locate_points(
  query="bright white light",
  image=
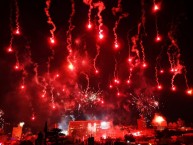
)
(105, 125)
(21, 124)
(64, 132)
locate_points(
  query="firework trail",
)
(88, 82)
(17, 18)
(2, 121)
(46, 9)
(36, 73)
(44, 85)
(95, 59)
(155, 10)
(89, 2)
(32, 110)
(116, 78)
(134, 49)
(156, 77)
(138, 37)
(174, 59)
(140, 26)
(48, 66)
(52, 96)
(116, 10)
(52, 38)
(143, 53)
(115, 34)
(130, 75)
(17, 64)
(158, 69)
(115, 28)
(27, 61)
(129, 60)
(143, 18)
(10, 48)
(137, 40)
(115, 72)
(69, 36)
(100, 5)
(24, 74)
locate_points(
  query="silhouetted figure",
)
(39, 139)
(26, 142)
(91, 141)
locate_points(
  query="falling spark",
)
(17, 31)
(69, 36)
(89, 2)
(143, 18)
(134, 49)
(174, 58)
(100, 5)
(10, 48)
(189, 91)
(95, 59)
(115, 28)
(46, 9)
(87, 86)
(155, 9)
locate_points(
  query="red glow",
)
(129, 60)
(22, 87)
(189, 92)
(77, 41)
(53, 106)
(83, 62)
(173, 88)
(158, 38)
(9, 50)
(17, 32)
(159, 87)
(116, 46)
(89, 26)
(43, 96)
(110, 86)
(16, 67)
(70, 50)
(71, 67)
(159, 119)
(161, 71)
(172, 70)
(116, 81)
(118, 94)
(144, 65)
(96, 71)
(33, 117)
(101, 36)
(128, 81)
(52, 40)
(156, 8)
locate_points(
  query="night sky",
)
(88, 77)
